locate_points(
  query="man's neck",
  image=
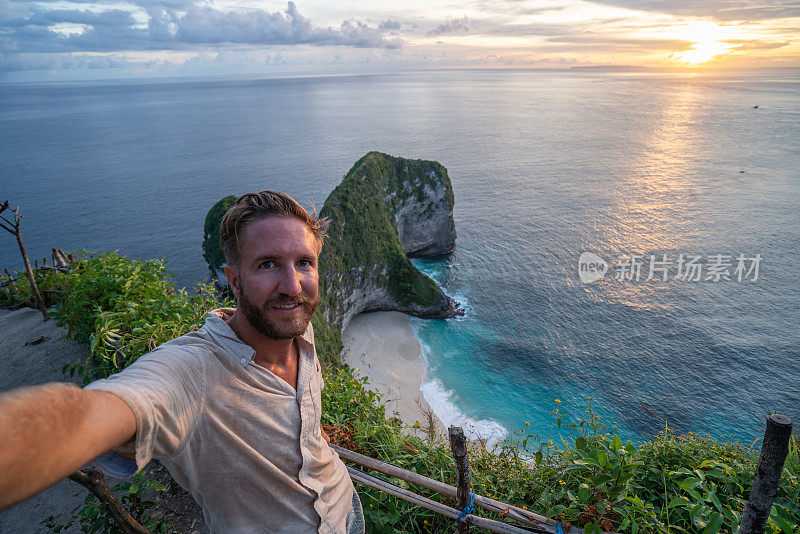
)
(269, 352)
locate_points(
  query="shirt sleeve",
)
(164, 390)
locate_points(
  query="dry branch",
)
(11, 281)
(95, 482)
(15, 228)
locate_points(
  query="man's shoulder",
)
(194, 347)
(195, 341)
(190, 350)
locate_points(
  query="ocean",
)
(650, 172)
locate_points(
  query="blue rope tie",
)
(469, 509)
(559, 529)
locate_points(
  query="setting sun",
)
(702, 52)
(711, 40)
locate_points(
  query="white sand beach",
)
(382, 346)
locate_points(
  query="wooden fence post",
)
(59, 259)
(11, 280)
(458, 444)
(768, 475)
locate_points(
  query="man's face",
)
(277, 284)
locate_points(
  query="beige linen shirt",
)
(245, 444)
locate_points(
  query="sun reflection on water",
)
(653, 207)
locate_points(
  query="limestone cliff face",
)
(384, 210)
(425, 224)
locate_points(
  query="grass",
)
(583, 474)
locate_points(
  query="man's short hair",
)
(252, 207)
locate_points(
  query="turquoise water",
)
(491, 397)
(545, 165)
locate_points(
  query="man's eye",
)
(267, 264)
(305, 263)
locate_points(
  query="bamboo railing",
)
(530, 521)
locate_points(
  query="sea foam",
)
(440, 400)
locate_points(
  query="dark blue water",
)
(545, 166)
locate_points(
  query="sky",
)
(85, 39)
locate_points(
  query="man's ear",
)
(233, 279)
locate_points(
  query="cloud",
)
(579, 43)
(461, 25)
(390, 24)
(719, 9)
(39, 17)
(23, 62)
(757, 45)
(195, 27)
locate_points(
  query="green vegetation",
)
(582, 473)
(212, 251)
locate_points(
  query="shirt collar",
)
(223, 334)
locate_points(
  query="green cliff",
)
(212, 251)
(385, 209)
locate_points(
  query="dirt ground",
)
(33, 352)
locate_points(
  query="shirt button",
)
(243, 360)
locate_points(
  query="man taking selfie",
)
(232, 410)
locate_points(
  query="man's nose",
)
(290, 282)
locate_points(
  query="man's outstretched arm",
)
(49, 431)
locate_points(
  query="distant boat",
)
(755, 107)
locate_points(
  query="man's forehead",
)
(278, 236)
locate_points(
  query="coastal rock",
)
(385, 210)
(212, 251)
(425, 222)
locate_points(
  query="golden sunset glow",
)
(246, 34)
(702, 52)
(711, 40)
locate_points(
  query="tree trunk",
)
(29, 271)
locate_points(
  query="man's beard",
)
(257, 317)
